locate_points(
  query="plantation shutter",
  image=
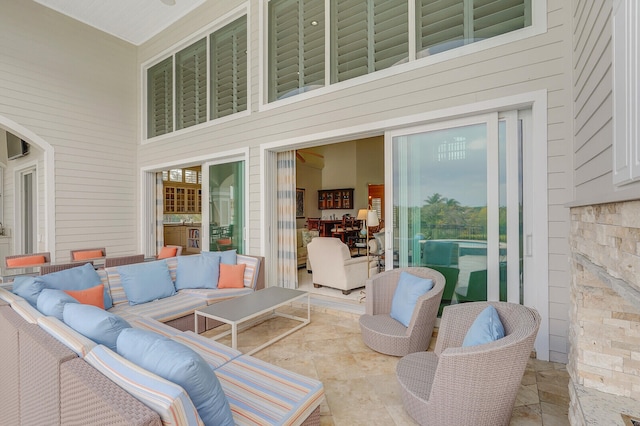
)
(495, 17)
(160, 98)
(442, 21)
(229, 69)
(367, 36)
(296, 47)
(439, 21)
(191, 85)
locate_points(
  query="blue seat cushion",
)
(197, 271)
(181, 365)
(51, 302)
(146, 282)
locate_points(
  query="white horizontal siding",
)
(593, 111)
(75, 88)
(538, 63)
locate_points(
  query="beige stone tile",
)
(526, 415)
(527, 395)
(376, 363)
(371, 417)
(386, 388)
(341, 366)
(399, 415)
(349, 396)
(554, 410)
(549, 420)
(529, 377)
(326, 421)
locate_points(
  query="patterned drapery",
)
(286, 203)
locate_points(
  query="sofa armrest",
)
(88, 397)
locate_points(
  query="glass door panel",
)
(226, 206)
(451, 189)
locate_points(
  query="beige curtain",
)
(286, 203)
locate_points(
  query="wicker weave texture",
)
(47, 269)
(40, 359)
(384, 334)
(10, 322)
(123, 260)
(88, 397)
(474, 385)
(313, 419)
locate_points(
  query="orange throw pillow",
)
(231, 276)
(25, 261)
(89, 254)
(90, 296)
(166, 252)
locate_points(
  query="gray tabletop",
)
(241, 307)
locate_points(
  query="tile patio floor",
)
(360, 384)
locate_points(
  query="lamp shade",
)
(362, 214)
(372, 218)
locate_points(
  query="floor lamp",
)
(370, 218)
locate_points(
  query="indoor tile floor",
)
(360, 384)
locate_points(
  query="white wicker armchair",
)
(386, 335)
(474, 385)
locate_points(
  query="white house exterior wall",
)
(593, 106)
(75, 88)
(538, 63)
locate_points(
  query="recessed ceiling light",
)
(169, 2)
(314, 23)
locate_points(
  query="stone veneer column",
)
(604, 333)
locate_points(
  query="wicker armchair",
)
(469, 385)
(386, 335)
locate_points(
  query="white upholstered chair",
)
(333, 266)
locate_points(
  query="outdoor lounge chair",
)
(473, 385)
(386, 335)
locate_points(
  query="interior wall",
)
(370, 167)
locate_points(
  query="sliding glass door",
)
(457, 205)
(226, 205)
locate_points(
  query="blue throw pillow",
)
(181, 365)
(51, 302)
(146, 282)
(486, 328)
(28, 288)
(98, 325)
(78, 278)
(197, 271)
(409, 289)
(228, 257)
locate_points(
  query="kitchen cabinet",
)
(182, 199)
(187, 236)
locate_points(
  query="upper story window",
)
(366, 36)
(180, 81)
(296, 47)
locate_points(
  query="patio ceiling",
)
(133, 21)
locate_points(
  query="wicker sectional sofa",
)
(51, 374)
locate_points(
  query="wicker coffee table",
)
(240, 311)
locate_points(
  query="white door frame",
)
(20, 224)
(147, 216)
